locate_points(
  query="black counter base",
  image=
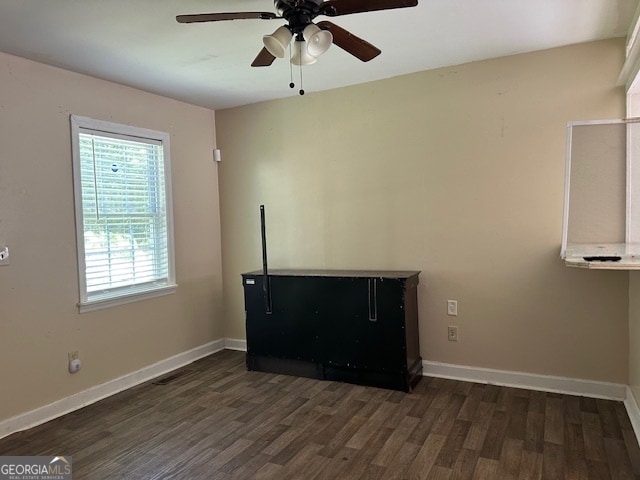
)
(347, 326)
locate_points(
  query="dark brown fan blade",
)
(264, 59)
(217, 17)
(334, 8)
(347, 41)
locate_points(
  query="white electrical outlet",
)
(4, 256)
(452, 308)
(452, 333)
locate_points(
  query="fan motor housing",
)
(298, 13)
(292, 4)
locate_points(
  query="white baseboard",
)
(633, 411)
(93, 394)
(547, 383)
(235, 344)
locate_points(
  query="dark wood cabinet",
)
(352, 326)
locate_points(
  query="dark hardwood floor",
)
(215, 420)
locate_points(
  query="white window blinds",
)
(125, 245)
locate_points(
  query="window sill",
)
(90, 306)
(629, 254)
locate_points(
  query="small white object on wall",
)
(74, 365)
(217, 156)
(4, 256)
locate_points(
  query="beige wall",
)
(458, 172)
(39, 321)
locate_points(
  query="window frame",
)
(80, 124)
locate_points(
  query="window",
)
(123, 213)
(601, 228)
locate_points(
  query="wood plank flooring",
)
(214, 420)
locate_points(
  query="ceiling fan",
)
(311, 40)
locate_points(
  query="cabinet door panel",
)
(362, 330)
(290, 331)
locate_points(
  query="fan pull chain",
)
(291, 84)
(301, 89)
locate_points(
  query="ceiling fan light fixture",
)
(318, 40)
(301, 55)
(277, 42)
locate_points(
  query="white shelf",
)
(629, 254)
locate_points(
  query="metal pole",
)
(266, 284)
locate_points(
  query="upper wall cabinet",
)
(601, 227)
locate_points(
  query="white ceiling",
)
(139, 42)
